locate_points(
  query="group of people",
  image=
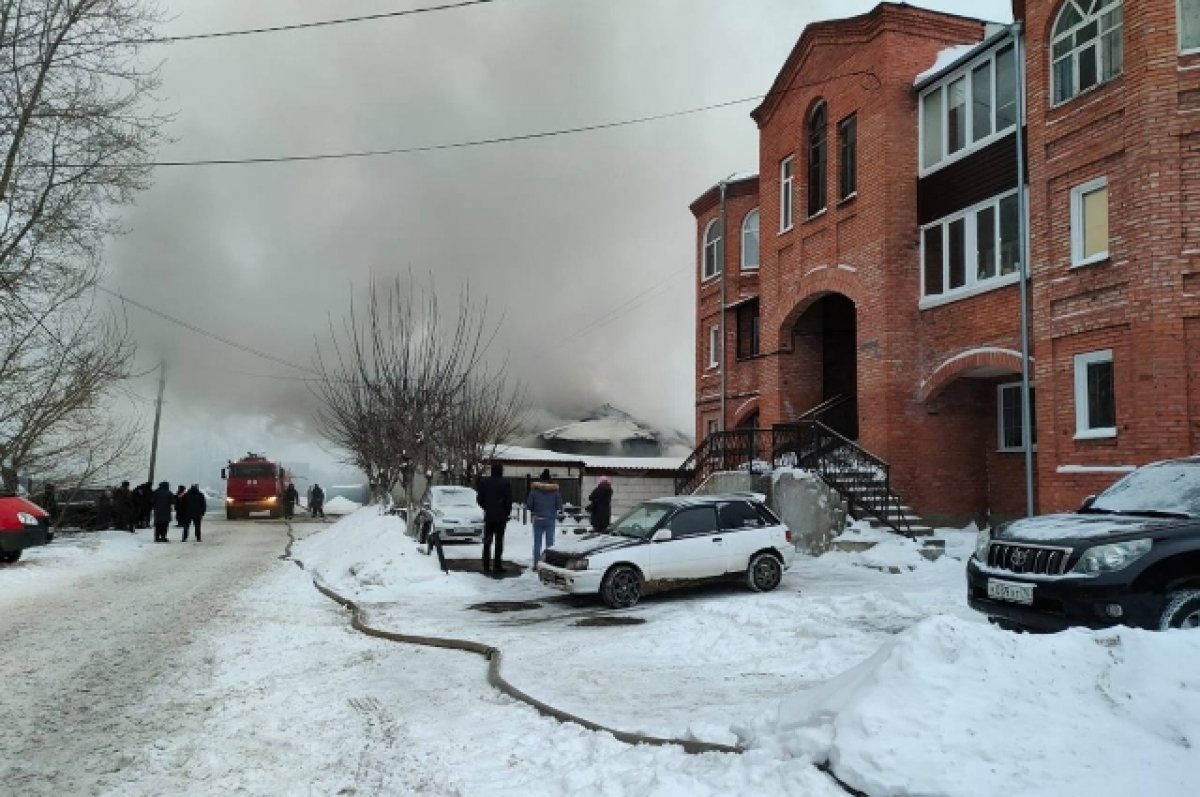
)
(316, 501)
(130, 508)
(544, 501)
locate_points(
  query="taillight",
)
(787, 533)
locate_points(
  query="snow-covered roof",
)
(945, 58)
(601, 430)
(588, 461)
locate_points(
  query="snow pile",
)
(341, 506)
(944, 59)
(953, 707)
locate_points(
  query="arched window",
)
(1085, 48)
(817, 157)
(750, 241)
(712, 249)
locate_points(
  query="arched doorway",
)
(821, 373)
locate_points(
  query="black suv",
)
(1129, 556)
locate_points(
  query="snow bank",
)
(945, 58)
(341, 506)
(959, 708)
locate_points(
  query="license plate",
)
(1010, 592)
(461, 533)
(551, 579)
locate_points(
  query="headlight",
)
(26, 519)
(576, 564)
(270, 499)
(982, 542)
(229, 500)
(1110, 558)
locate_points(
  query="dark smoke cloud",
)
(553, 233)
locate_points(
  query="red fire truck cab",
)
(253, 484)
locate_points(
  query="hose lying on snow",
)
(497, 681)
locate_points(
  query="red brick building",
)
(886, 226)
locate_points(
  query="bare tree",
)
(403, 387)
(75, 138)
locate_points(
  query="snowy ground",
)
(135, 669)
(871, 661)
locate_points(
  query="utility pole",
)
(162, 384)
(1017, 33)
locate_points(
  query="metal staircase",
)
(861, 478)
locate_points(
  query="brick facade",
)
(1141, 132)
(927, 373)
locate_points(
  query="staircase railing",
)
(859, 476)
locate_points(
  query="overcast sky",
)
(555, 233)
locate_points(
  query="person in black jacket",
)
(163, 501)
(290, 498)
(122, 505)
(600, 505)
(180, 507)
(194, 507)
(316, 502)
(494, 495)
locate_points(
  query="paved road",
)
(85, 669)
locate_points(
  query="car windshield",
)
(639, 521)
(461, 496)
(1171, 489)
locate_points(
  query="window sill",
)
(710, 278)
(817, 215)
(1056, 106)
(749, 271)
(1094, 260)
(930, 302)
(1017, 450)
(1097, 434)
(786, 229)
(848, 198)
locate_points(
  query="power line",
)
(620, 310)
(303, 25)
(206, 333)
(374, 153)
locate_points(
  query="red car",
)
(23, 524)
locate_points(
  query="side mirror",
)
(222, 473)
(662, 535)
(1087, 502)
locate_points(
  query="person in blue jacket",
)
(544, 502)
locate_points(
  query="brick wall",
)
(1141, 133)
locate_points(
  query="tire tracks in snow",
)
(494, 657)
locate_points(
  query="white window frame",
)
(758, 242)
(973, 285)
(965, 71)
(1082, 421)
(787, 194)
(1074, 54)
(1000, 389)
(1077, 231)
(714, 346)
(705, 274)
(1183, 49)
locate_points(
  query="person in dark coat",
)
(180, 508)
(194, 507)
(290, 498)
(544, 502)
(316, 501)
(600, 505)
(494, 496)
(163, 502)
(122, 503)
(104, 513)
(143, 505)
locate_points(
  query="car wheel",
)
(622, 587)
(1183, 611)
(8, 557)
(764, 572)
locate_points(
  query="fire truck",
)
(253, 484)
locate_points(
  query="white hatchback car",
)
(453, 512)
(672, 541)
